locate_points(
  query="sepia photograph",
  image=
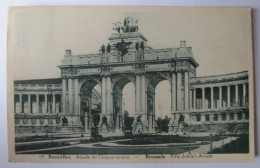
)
(130, 84)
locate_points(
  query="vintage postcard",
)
(130, 85)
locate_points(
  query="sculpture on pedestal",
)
(122, 47)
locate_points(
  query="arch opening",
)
(123, 104)
(90, 105)
(159, 103)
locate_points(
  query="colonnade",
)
(224, 96)
(37, 103)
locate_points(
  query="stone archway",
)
(154, 80)
(117, 87)
(90, 104)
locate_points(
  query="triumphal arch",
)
(72, 104)
(126, 58)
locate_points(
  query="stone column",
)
(190, 99)
(236, 95)
(103, 95)
(179, 96)
(53, 104)
(212, 97)
(63, 96)
(71, 98)
(37, 103)
(108, 89)
(228, 96)
(137, 94)
(244, 94)
(89, 115)
(194, 99)
(143, 95)
(46, 103)
(153, 113)
(21, 103)
(29, 103)
(121, 111)
(111, 100)
(203, 98)
(76, 97)
(173, 93)
(186, 90)
(220, 96)
(117, 124)
(79, 105)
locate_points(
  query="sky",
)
(38, 37)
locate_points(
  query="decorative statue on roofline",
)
(142, 45)
(130, 25)
(108, 48)
(122, 47)
(103, 49)
(137, 46)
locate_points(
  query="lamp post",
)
(50, 93)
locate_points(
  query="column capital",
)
(179, 71)
(105, 75)
(173, 71)
(140, 73)
(64, 77)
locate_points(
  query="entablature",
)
(172, 65)
(218, 84)
(220, 78)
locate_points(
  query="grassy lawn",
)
(134, 140)
(241, 145)
(167, 139)
(116, 150)
(38, 138)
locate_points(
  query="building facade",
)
(70, 103)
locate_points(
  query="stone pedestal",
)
(103, 128)
(139, 128)
(171, 128)
(118, 130)
(176, 129)
(151, 130)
